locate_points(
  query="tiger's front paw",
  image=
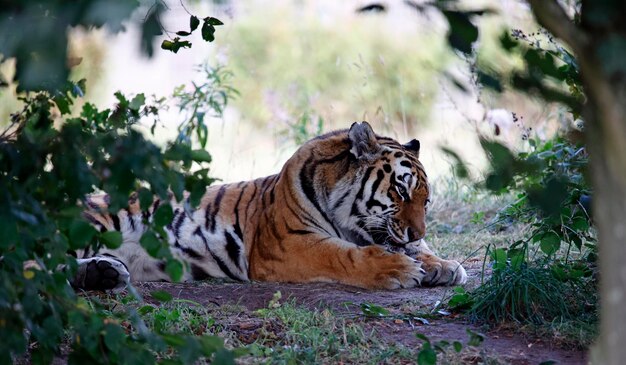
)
(402, 272)
(443, 272)
(101, 273)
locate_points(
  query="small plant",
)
(206, 100)
(304, 128)
(428, 353)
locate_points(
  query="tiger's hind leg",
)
(101, 273)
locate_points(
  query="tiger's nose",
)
(413, 234)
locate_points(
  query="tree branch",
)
(552, 16)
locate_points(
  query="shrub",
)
(47, 166)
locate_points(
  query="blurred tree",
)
(599, 42)
(596, 34)
(41, 52)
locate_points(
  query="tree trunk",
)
(598, 45)
(609, 210)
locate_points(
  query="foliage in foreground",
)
(47, 166)
(41, 53)
(550, 274)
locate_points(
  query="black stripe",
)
(297, 231)
(207, 216)
(179, 223)
(308, 187)
(198, 273)
(267, 183)
(237, 227)
(218, 260)
(272, 197)
(359, 195)
(116, 222)
(92, 205)
(223, 267)
(233, 249)
(342, 156)
(301, 214)
(340, 201)
(130, 218)
(251, 200)
(94, 221)
(86, 252)
(380, 175)
(218, 201)
(188, 251)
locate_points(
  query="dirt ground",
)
(512, 347)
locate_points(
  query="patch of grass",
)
(533, 300)
(321, 337)
(527, 294)
(180, 316)
(459, 221)
(574, 333)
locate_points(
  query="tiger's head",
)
(390, 192)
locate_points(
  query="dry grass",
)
(460, 222)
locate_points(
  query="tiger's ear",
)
(363, 140)
(413, 146)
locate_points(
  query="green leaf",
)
(214, 21)
(580, 224)
(182, 33)
(373, 310)
(173, 339)
(210, 344)
(146, 309)
(8, 231)
(161, 295)
(151, 28)
(63, 104)
(457, 346)
(200, 156)
(224, 357)
(460, 169)
(137, 101)
(475, 339)
(489, 81)
(462, 32)
(507, 42)
(194, 22)
(422, 337)
(150, 243)
(145, 198)
(114, 337)
(81, 233)
(427, 356)
(175, 45)
(174, 269)
(550, 243)
(163, 215)
(517, 260)
(208, 31)
(111, 239)
(498, 257)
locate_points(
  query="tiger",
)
(348, 207)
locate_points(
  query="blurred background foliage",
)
(342, 70)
